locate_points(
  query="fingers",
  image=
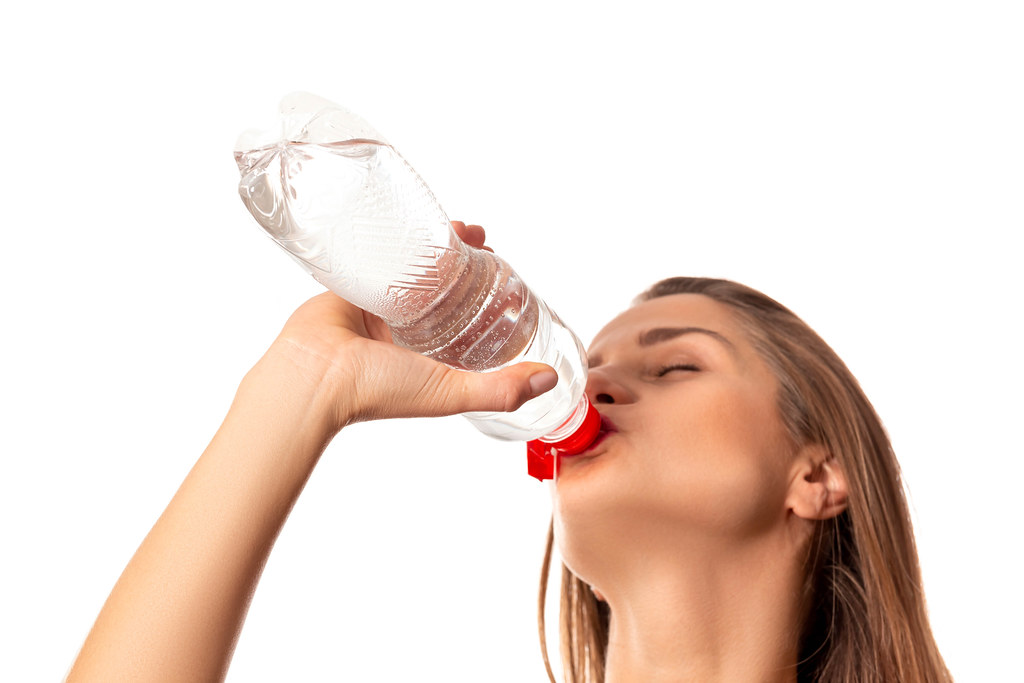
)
(473, 235)
(501, 391)
(376, 328)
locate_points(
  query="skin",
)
(177, 610)
(692, 519)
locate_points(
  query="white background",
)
(862, 164)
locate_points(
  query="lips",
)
(607, 429)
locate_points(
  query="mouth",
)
(607, 429)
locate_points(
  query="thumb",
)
(499, 391)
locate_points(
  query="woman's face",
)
(695, 447)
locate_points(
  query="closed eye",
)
(685, 367)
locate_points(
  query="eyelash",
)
(682, 366)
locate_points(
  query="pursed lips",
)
(607, 428)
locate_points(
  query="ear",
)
(817, 487)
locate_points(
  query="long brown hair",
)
(867, 621)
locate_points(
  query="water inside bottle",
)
(364, 224)
(486, 320)
(359, 219)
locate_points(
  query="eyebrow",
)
(664, 334)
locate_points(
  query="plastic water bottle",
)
(351, 211)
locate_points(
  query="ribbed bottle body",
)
(354, 214)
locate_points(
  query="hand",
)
(360, 375)
(176, 612)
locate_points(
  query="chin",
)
(599, 516)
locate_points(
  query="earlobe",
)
(818, 487)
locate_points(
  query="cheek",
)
(710, 469)
(720, 463)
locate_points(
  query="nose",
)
(603, 387)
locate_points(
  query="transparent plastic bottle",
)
(351, 211)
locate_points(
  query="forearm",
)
(178, 607)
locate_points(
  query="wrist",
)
(302, 388)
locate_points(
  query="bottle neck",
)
(574, 422)
(542, 455)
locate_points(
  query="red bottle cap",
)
(542, 456)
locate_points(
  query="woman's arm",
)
(177, 610)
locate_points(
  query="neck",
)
(714, 616)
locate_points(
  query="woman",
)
(740, 519)
(745, 519)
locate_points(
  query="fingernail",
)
(543, 381)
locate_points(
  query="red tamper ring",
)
(542, 456)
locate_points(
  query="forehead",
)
(675, 310)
